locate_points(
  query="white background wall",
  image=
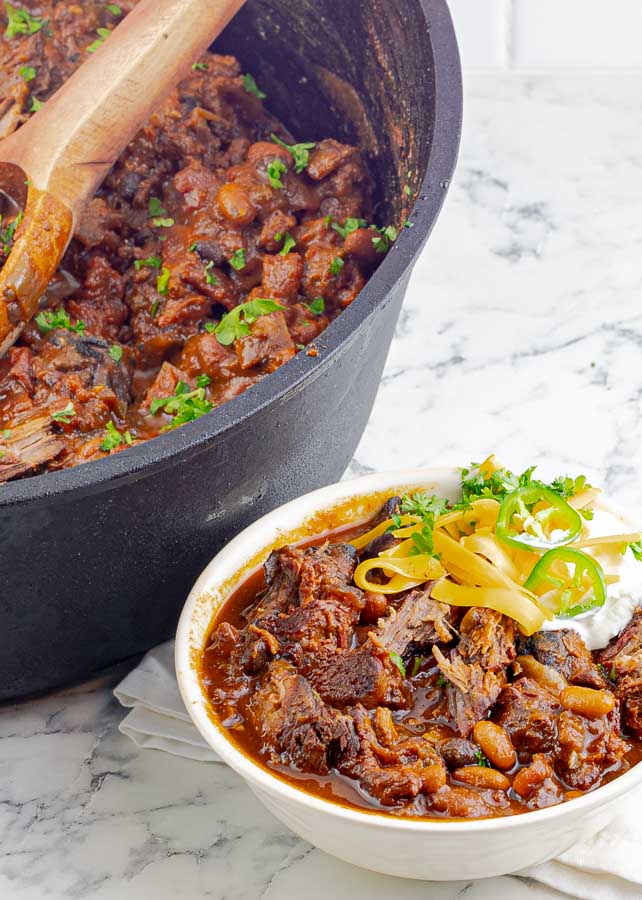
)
(575, 34)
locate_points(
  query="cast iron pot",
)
(96, 561)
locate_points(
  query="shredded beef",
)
(566, 652)
(623, 659)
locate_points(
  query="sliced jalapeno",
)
(573, 579)
(536, 518)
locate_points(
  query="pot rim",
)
(245, 546)
(162, 450)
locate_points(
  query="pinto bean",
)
(529, 778)
(546, 676)
(376, 607)
(496, 744)
(482, 777)
(235, 204)
(587, 701)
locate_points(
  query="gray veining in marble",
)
(521, 333)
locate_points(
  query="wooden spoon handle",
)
(70, 144)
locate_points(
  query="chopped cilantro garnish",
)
(288, 244)
(161, 222)
(35, 104)
(416, 665)
(6, 434)
(49, 319)
(210, 277)
(349, 226)
(113, 438)
(114, 9)
(398, 661)
(442, 681)
(8, 233)
(154, 308)
(192, 247)
(236, 323)
(317, 307)
(237, 260)
(152, 262)
(65, 415)
(480, 758)
(423, 504)
(252, 87)
(336, 265)
(184, 405)
(199, 67)
(162, 281)
(19, 21)
(203, 380)
(116, 352)
(300, 152)
(155, 208)
(102, 33)
(27, 72)
(274, 171)
(407, 190)
(386, 237)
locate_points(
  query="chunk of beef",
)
(475, 668)
(364, 675)
(623, 658)
(269, 345)
(419, 620)
(310, 607)
(536, 783)
(587, 748)
(297, 727)
(528, 713)
(392, 775)
(566, 652)
(465, 803)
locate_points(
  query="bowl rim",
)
(256, 538)
(161, 451)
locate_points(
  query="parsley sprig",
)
(252, 87)
(49, 319)
(300, 152)
(183, 405)
(113, 438)
(103, 34)
(7, 234)
(19, 21)
(236, 323)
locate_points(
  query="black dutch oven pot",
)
(96, 561)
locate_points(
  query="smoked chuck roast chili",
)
(204, 212)
(408, 705)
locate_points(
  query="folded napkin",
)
(607, 867)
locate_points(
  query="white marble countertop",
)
(521, 333)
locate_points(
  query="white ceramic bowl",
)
(438, 850)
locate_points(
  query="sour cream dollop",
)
(598, 626)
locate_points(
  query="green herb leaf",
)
(183, 405)
(387, 236)
(236, 323)
(154, 308)
(160, 222)
(27, 72)
(35, 104)
(300, 152)
(113, 438)
(336, 265)
(152, 262)
(416, 665)
(407, 190)
(116, 352)
(64, 415)
(317, 307)
(398, 661)
(49, 319)
(199, 67)
(481, 759)
(288, 244)
(155, 208)
(349, 226)
(237, 260)
(275, 170)
(103, 34)
(636, 550)
(442, 681)
(114, 9)
(162, 281)
(251, 86)
(8, 233)
(19, 21)
(423, 504)
(203, 380)
(210, 277)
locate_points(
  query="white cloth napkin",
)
(607, 867)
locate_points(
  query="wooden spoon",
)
(54, 163)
